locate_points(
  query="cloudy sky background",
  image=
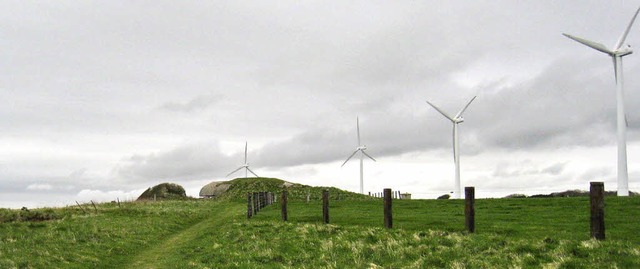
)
(101, 99)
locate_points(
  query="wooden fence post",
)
(388, 221)
(283, 205)
(249, 206)
(325, 206)
(81, 207)
(469, 209)
(94, 207)
(260, 200)
(596, 193)
(255, 203)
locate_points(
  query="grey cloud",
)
(597, 174)
(554, 169)
(196, 160)
(384, 134)
(195, 104)
(560, 107)
(294, 76)
(40, 185)
(78, 173)
(311, 147)
(527, 168)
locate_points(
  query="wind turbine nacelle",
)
(459, 120)
(624, 52)
(361, 147)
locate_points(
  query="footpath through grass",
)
(108, 238)
(178, 249)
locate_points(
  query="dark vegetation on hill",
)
(164, 191)
(567, 193)
(241, 186)
(25, 214)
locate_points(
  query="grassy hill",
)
(214, 233)
(239, 188)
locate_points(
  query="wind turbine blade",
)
(465, 107)
(591, 44)
(441, 112)
(626, 31)
(245, 152)
(368, 156)
(235, 170)
(252, 172)
(358, 128)
(354, 153)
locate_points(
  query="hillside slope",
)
(215, 233)
(239, 187)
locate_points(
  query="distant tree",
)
(444, 197)
(516, 195)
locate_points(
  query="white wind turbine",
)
(360, 148)
(456, 148)
(245, 165)
(616, 53)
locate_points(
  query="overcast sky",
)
(102, 99)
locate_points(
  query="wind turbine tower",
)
(245, 165)
(456, 147)
(616, 53)
(361, 148)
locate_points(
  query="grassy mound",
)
(239, 188)
(164, 191)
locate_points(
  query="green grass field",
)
(510, 233)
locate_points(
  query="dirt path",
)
(149, 258)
